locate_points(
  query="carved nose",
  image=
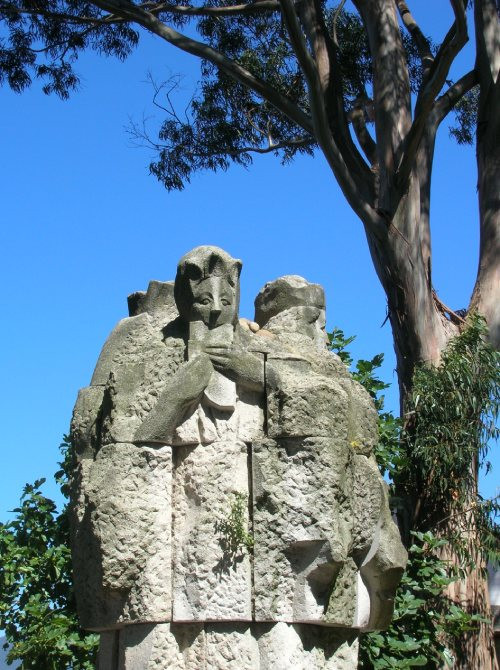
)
(216, 308)
(214, 316)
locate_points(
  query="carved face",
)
(213, 302)
(310, 321)
(320, 336)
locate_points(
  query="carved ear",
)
(215, 266)
(237, 269)
(238, 264)
(192, 271)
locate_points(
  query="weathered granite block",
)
(158, 300)
(212, 578)
(301, 527)
(362, 418)
(382, 569)
(122, 549)
(162, 646)
(107, 657)
(284, 646)
(368, 497)
(376, 543)
(219, 646)
(305, 405)
(86, 421)
(124, 339)
(231, 647)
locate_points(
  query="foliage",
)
(390, 457)
(423, 618)
(451, 420)
(225, 120)
(233, 528)
(453, 408)
(37, 607)
(43, 40)
(466, 111)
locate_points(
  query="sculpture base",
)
(228, 646)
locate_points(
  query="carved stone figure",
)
(227, 511)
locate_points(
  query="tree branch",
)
(238, 73)
(325, 51)
(453, 316)
(306, 61)
(418, 37)
(487, 24)
(356, 186)
(336, 15)
(357, 118)
(295, 142)
(154, 8)
(445, 103)
(141, 138)
(229, 10)
(355, 190)
(391, 93)
(455, 40)
(58, 16)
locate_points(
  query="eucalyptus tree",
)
(366, 88)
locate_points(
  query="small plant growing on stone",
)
(233, 528)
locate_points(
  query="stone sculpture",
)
(227, 511)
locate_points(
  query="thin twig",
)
(110, 19)
(182, 41)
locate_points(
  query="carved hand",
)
(239, 365)
(183, 390)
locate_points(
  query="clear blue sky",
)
(83, 225)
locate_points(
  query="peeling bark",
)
(485, 297)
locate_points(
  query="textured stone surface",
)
(231, 647)
(216, 646)
(301, 527)
(283, 646)
(162, 646)
(382, 569)
(136, 380)
(158, 299)
(122, 539)
(305, 404)
(212, 579)
(362, 418)
(227, 512)
(284, 294)
(86, 420)
(177, 401)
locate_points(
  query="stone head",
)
(291, 304)
(207, 287)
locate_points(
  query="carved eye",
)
(205, 301)
(225, 302)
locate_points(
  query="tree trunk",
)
(402, 261)
(485, 298)
(421, 331)
(476, 650)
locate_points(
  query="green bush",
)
(37, 606)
